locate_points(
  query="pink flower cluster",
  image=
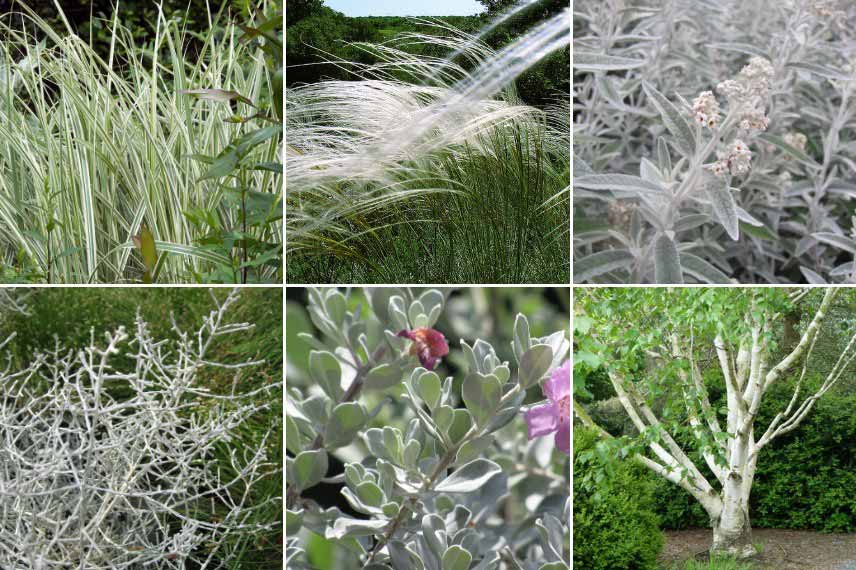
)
(554, 415)
(706, 109)
(749, 93)
(429, 345)
(736, 160)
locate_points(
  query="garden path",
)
(782, 549)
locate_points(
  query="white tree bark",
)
(733, 459)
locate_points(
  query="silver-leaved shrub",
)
(714, 141)
(89, 479)
(439, 483)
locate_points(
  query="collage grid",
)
(445, 285)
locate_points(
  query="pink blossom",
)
(554, 415)
(428, 344)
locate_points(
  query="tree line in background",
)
(317, 34)
(90, 18)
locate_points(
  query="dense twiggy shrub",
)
(714, 141)
(93, 481)
(615, 525)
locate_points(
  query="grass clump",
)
(425, 169)
(94, 147)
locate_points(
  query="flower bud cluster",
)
(747, 96)
(749, 92)
(706, 109)
(736, 160)
(827, 9)
(620, 213)
(796, 140)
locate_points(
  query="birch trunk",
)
(732, 532)
(733, 536)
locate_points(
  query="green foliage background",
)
(88, 17)
(72, 314)
(616, 527)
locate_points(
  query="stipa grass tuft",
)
(92, 147)
(429, 169)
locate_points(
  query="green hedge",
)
(805, 479)
(617, 529)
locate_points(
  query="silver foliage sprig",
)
(431, 483)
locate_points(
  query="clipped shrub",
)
(807, 479)
(615, 526)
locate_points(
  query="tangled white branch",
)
(14, 300)
(93, 480)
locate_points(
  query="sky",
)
(406, 7)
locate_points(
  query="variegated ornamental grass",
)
(713, 141)
(92, 147)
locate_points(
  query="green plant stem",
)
(49, 258)
(350, 395)
(244, 267)
(438, 470)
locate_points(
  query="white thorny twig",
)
(90, 480)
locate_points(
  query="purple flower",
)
(554, 415)
(428, 344)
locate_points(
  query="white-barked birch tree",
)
(662, 349)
